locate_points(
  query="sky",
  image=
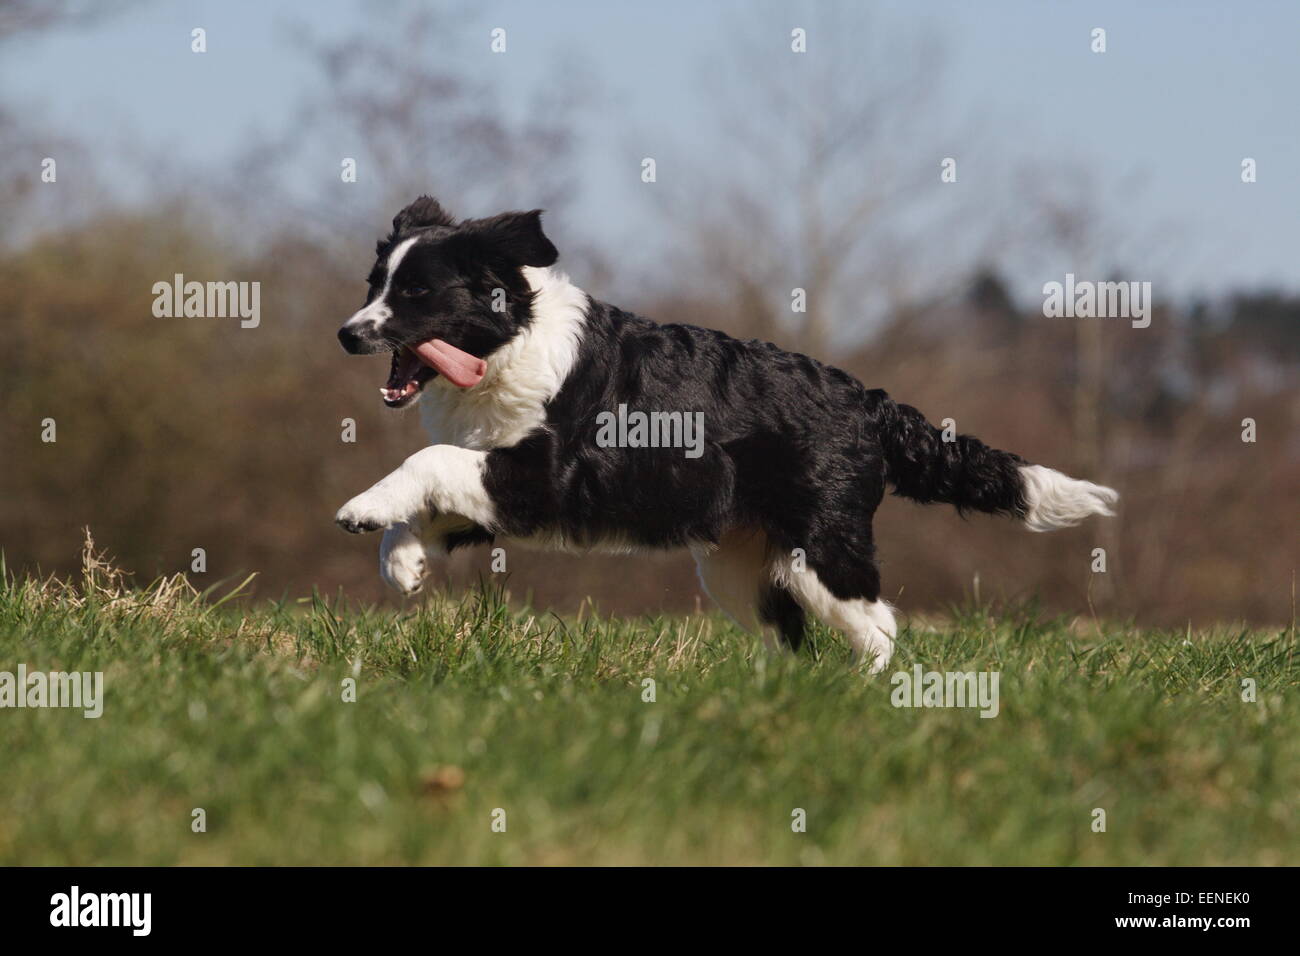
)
(1161, 121)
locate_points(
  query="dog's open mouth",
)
(416, 365)
(405, 378)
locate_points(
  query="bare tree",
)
(32, 16)
(417, 101)
(816, 190)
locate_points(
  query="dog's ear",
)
(512, 237)
(425, 211)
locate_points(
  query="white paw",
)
(371, 510)
(876, 646)
(874, 649)
(880, 660)
(403, 563)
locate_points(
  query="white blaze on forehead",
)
(379, 311)
(394, 260)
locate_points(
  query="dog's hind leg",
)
(778, 609)
(735, 574)
(867, 623)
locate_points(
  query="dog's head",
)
(445, 295)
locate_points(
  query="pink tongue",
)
(459, 368)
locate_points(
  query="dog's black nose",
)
(350, 340)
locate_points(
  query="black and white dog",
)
(522, 374)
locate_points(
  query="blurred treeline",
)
(175, 434)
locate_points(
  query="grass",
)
(464, 706)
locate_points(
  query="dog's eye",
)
(414, 291)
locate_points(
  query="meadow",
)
(465, 730)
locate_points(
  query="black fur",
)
(797, 448)
(777, 606)
(448, 280)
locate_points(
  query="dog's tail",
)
(965, 472)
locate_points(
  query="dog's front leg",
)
(403, 559)
(440, 479)
(409, 551)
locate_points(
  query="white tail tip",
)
(1054, 500)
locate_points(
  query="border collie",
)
(518, 373)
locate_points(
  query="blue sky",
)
(1184, 92)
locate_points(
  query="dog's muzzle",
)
(361, 337)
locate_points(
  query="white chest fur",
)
(522, 376)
